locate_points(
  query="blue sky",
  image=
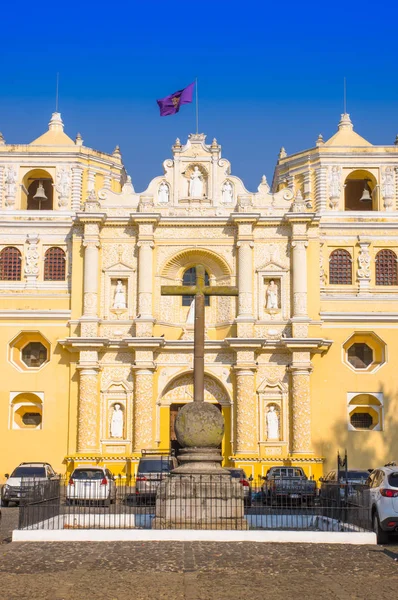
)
(270, 74)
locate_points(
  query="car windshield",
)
(29, 472)
(393, 480)
(88, 474)
(286, 473)
(237, 474)
(355, 475)
(154, 465)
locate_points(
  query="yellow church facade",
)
(96, 362)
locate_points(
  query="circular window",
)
(360, 356)
(361, 420)
(34, 354)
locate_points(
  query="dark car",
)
(245, 482)
(152, 468)
(342, 487)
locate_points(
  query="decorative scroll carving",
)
(334, 187)
(301, 410)
(246, 408)
(143, 409)
(63, 187)
(88, 411)
(32, 257)
(10, 181)
(388, 188)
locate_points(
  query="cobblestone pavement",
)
(192, 570)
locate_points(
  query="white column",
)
(91, 256)
(321, 188)
(108, 181)
(88, 421)
(299, 266)
(245, 279)
(77, 185)
(145, 278)
(143, 409)
(90, 181)
(301, 410)
(1, 186)
(246, 412)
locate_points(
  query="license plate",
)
(294, 496)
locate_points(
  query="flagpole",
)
(197, 106)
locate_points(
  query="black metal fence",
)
(190, 502)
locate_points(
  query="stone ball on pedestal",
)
(199, 425)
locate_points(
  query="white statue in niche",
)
(272, 424)
(196, 184)
(191, 314)
(116, 428)
(119, 300)
(163, 193)
(227, 192)
(272, 296)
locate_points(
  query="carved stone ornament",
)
(245, 203)
(301, 405)
(163, 193)
(32, 256)
(364, 261)
(299, 204)
(88, 411)
(143, 410)
(63, 187)
(227, 192)
(145, 204)
(10, 181)
(388, 188)
(334, 187)
(92, 204)
(246, 430)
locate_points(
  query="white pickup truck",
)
(288, 484)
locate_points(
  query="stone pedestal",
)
(212, 501)
(199, 494)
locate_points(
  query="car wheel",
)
(382, 536)
(5, 503)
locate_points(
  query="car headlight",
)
(6, 487)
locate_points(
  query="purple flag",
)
(171, 104)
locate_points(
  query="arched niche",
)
(221, 309)
(360, 191)
(273, 392)
(179, 391)
(114, 392)
(30, 185)
(365, 411)
(26, 410)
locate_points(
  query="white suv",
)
(381, 496)
(91, 484)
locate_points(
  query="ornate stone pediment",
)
(272, 265)
(119, 268)
(273, 385)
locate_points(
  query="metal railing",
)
(179, 501)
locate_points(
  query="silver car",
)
(91, 484)
(151, 470)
